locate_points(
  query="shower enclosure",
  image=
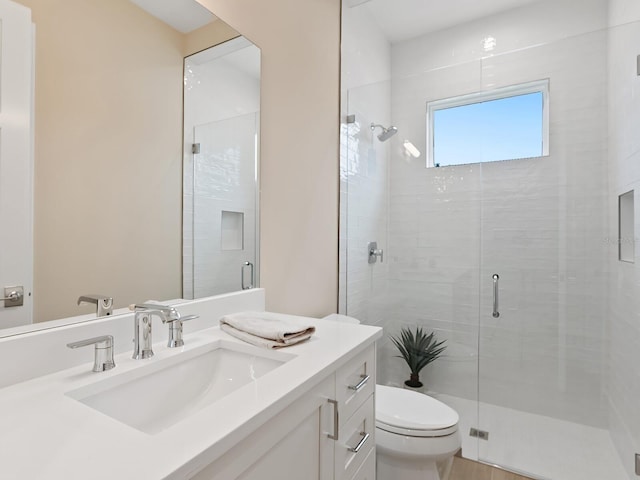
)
(509, 261)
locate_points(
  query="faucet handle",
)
(103, 354)
(166, 312)
(175, 330)
(183, 319)
(104, 304)
(134, 307)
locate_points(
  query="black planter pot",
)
(414, 381)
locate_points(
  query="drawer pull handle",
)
(361, 383)
(363, 440)
(336, 420)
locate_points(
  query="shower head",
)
(386, 133)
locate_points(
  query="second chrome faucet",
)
(142, 338)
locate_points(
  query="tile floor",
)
(464, 469)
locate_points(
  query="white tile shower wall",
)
(539, 223)
(224, 181)
(220, 90)
(533, 24)
(623, 388)
(623, 11)
(221, 188)
(366, 52)
(366, 197)
(363, 163)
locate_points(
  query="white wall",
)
(300, 44)
(623, 387)
(544, 22)
(107, 178)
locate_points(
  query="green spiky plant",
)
(418, 350)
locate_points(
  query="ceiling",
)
(183, 15)
(404, 19)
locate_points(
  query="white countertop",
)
(45, 434)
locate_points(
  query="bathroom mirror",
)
(221, 125)
(109, 151)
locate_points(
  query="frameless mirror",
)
(221, 131)
(110, 79)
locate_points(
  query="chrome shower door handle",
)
(250, 286)
(496, 313)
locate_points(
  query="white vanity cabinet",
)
(300, 443)
(208, 413)
(355, 386)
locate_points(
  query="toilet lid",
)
(412, 413)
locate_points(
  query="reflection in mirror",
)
(107, 157)
(221, 124)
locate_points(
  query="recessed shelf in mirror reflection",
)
(121, 108)
(232, 230)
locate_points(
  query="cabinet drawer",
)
(356, 441)
(355, 382)
(368, 469)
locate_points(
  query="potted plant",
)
(418, 350)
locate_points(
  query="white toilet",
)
(416, 435)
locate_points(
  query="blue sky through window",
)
(502, 129)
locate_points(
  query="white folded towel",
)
(266, 329)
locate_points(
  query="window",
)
(502, 124)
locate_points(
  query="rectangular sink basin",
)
(165, 391)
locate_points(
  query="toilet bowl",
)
(416, 435)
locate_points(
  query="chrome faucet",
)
(103, 354)
(175, 330)
(142, 339)
(104, 305)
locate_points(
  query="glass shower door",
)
(427, 221)
(542, 309)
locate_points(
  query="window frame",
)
(538, 86)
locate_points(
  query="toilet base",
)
(390, 467)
